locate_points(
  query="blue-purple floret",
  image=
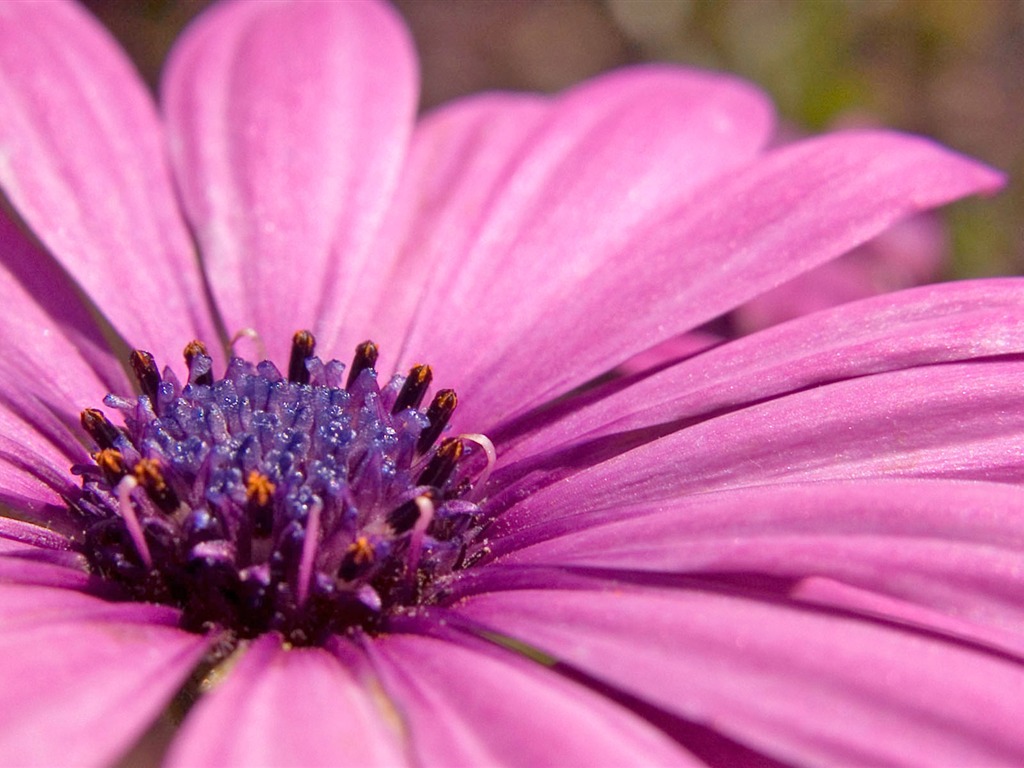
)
(339, 466)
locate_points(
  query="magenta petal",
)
(923, 326)
(286, 707)
(458, 158)
(950, 545)
(288, 125)
(466, 707)
(84, 166)
(82, 679)
(541, 206)
(779, 216)
(957, 420)
(30, 554)
(801, 686)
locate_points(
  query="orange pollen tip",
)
(193, 349)
(147, 473)
(361, 551)
(110, 460)
(259, 489)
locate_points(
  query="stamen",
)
(260, 493)
(254, 337)
(404, 516)
(194, 352)
(492, 458)
(111, 462)
(414, 388)
(99, 428)
(302, 349)
(439, 414)
(441, 466)
(309, 547)
(358, 557)
(131, 520)
(148, 474)
(426, 515)
(146, 373)
(365, 357)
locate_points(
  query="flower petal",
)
(82, 162)
(46, 329)
(554, 203)
(288, 124)
(476, 707)
(799, 685)
(30, 554)
(285, 707)
(958, 420)
(83, 678)
(922, 326)
(782, 214)
(952, 545)
(458, 158)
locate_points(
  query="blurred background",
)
(949, 69)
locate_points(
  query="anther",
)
(439, 469)
(403, 517)
(365, 357)
(111, 462)
(414, 388)
(302, 349)
(99, 428)
(147, 373)
(439, 414)
(357, 560)
(193, 351)
(150, 476)
(260, 492)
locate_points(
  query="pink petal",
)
(933, 324)
(474, 707)
(801, 686)
(286, 707)
(528, 185)
(457, 160)
(955, 420)
(782, 214)
(911, 253)
(288, 124)
(56, 364)
(950, 545)
(84, 166)
(30, 554)
(82, 678)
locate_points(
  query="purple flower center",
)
(309, 504)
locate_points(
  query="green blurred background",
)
(950, 69)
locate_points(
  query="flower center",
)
(309, 504)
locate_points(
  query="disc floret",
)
(307, 504)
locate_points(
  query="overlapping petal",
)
(951, 545)
(797, 684)
(56, 363)
(923, 326)
(286, 707)
(90, 677)
(288, 125)
(778, 216)
(466, 707)
(958, 420)
(554, 201)
(83, 164)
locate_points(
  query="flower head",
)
(802, 545)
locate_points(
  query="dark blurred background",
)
(950, 69)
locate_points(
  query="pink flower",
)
(803, 545)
